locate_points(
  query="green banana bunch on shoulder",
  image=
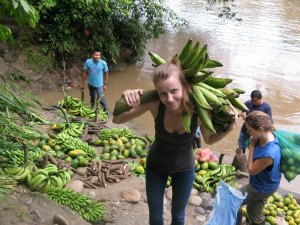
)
(212, 99)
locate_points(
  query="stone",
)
(81, 171)
(208, 205)
(92, 195)
(195, 200)
(131, 195)
(201, 219)
(75, 185)
(200, 210)
(60, 220)
(194, 192)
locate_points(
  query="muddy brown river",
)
(259, 49)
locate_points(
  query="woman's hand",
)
(132, 97)
(253, 142)
(234, 118)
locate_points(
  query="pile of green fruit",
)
(76, 107)
(290, 153)
(209, 175)
(277, 205)
(120, 143)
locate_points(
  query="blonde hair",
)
(173, 68)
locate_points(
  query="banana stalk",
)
(121, 105)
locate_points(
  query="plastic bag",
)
(205, 155)
(290, 153)
(227, 203)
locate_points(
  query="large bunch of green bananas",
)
(48, 178)
(108, 133)
(75, 129)
(209, 93)
(15, 157)
(76, 107)
(90, 210)
(19, 173)
(68, 143)
(211, 180)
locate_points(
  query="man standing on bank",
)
(256, 103)
(96, 70)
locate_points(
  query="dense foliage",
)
(21, 11)
(73, 28)
(113, 26)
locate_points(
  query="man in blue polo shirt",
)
(96, 70)
(256, 103)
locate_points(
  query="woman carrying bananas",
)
(263, 166)
(171, 154)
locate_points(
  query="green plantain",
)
(199, 77)
(205, 119)
(156, 59)
(217, 82)
(199, 98)
(186, 50)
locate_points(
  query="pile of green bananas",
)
(68, 143)
(74, 130)
(209, 93)
(108, 133)
(48, 178)
(13, 158)
(209, 181)
(76, 107)
(90, 210)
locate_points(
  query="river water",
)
(259, 49)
